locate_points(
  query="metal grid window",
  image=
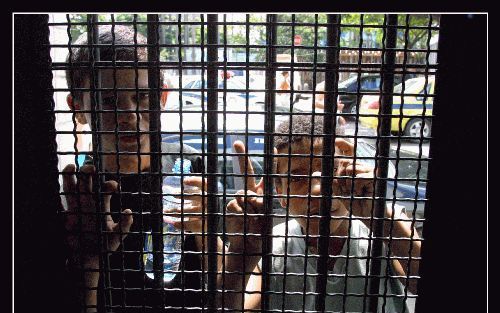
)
(345, 186)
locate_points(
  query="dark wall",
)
(38, 254)
(454, 266)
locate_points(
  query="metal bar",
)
(212, 129)
(383, 147)
(245, 170)
(289, 160)
(119, 180)
(155, 145)
(304, 66)
(139, 165)
(356, 129)
(372, 218)
(253, 23)
(224, 155)
(329, 124)
(398, 150)
(204, 283)
(311, 147)
(181, 142)
(391, 227)
(342, 48)
(221, 89)
(95, 102)
(73, 117)
(419, 167)
(368, 259)
(267, 243)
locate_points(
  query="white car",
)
(233, 91)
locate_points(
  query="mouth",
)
(317, 213)
(130, 139)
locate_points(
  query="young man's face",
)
(119, 120)
(303, 186)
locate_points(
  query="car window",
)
(350, 82)
(370, 83)
(189, 85)
(397, 79)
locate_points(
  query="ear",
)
(76, 105)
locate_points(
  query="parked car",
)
(417, 96)
(348, 89)
(234, 90)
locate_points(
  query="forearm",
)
(237, 271)
(202, 245)
(85, 279)
(407, 246)
(90, 291)
(405, 243)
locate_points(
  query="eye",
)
(141, 97)
(298, 179)
(108, 101)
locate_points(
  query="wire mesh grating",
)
(220, 92)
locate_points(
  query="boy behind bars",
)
(306, 222)
(131, 286)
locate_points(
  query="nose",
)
(127, 109)
(316, 184)
(315, 203)
(316, 189)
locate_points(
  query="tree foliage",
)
(356, 30)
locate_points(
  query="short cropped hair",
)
(120, 35)
(301, 127)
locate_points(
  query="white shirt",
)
(296, 282)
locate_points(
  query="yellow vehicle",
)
(410, 107)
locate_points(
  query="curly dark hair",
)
(301, 128)
(78, 72)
